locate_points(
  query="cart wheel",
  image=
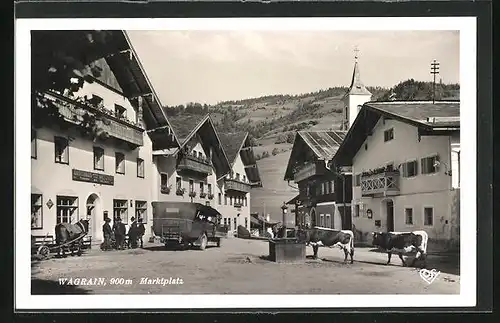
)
(218, 242)
(43, 252)
(203, 241)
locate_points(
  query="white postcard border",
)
(467, 297)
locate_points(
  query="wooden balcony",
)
(195, 164)
(309, 170)
(381, 184)
(118, 128)
(236, 185)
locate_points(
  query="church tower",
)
(355, 97)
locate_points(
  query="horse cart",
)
(69, 239)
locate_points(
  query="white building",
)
(90, 155)
(405, 159)
(234, 191)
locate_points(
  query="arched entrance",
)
(93, 207)
(388, 213)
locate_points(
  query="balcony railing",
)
(384, 183)
(307, 171)
(195, 164)
(119, 128)
(236, 185)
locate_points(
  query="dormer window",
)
(120, 112)
(96, 100)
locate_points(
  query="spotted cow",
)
(319, 236)
(402, 243)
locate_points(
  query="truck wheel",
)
(218, 243)
(203, 241)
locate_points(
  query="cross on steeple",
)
(356, 51)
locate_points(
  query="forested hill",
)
(276, 115)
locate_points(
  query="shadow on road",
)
(50, 287)
(174, 248)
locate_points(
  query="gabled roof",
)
(357, 87)
(232, 143)
(133, 80)
(425, 115)
(322, 144)
(238, 143)
(112, 50)
(209, 138)
(183, 124)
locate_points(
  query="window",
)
(409, 216)
(67, 209)
(230, 200)
(245, 199)
(209, 188)
(33, 144)
(328, 222)
(220, 199)
(225, 221)
(141, 208)
(163, 182)
(244, 178)
(330, 187)
(225, 199)
(201, 187)
(357, 180)
(322, 189)
(237, 176)
(120, 210)
(191, 185)
(410, 169)
(178, 183)
(140, 167)
(428, 216)
(321, 220)
(235, 222)
(120, 163)
(98, 158)
(229, 223)
(428, 164)
(36, 211)
(61, 150)
(356, 210)
(388, 135)
(246, 223)
(120, 112)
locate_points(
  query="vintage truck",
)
(184, 224)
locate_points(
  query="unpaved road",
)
(240, 267)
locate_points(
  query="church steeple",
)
(357, 87)
(356, 95)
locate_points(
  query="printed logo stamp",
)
(429, 275)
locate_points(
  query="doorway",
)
(389, 204)
(92, 207)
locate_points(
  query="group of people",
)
(135, 234)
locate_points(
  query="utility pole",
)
(434, 71)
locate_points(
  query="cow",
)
(402, 243)
(319, 236)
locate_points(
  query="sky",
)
(211, 66)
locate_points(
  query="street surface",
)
(238, 267)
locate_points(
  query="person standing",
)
(120, 231)
(107, 232)
(132, 234)
(140, 231)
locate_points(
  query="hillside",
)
(272, 122)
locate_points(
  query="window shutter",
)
(422, 163)
(405, 170)
(416, 167)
